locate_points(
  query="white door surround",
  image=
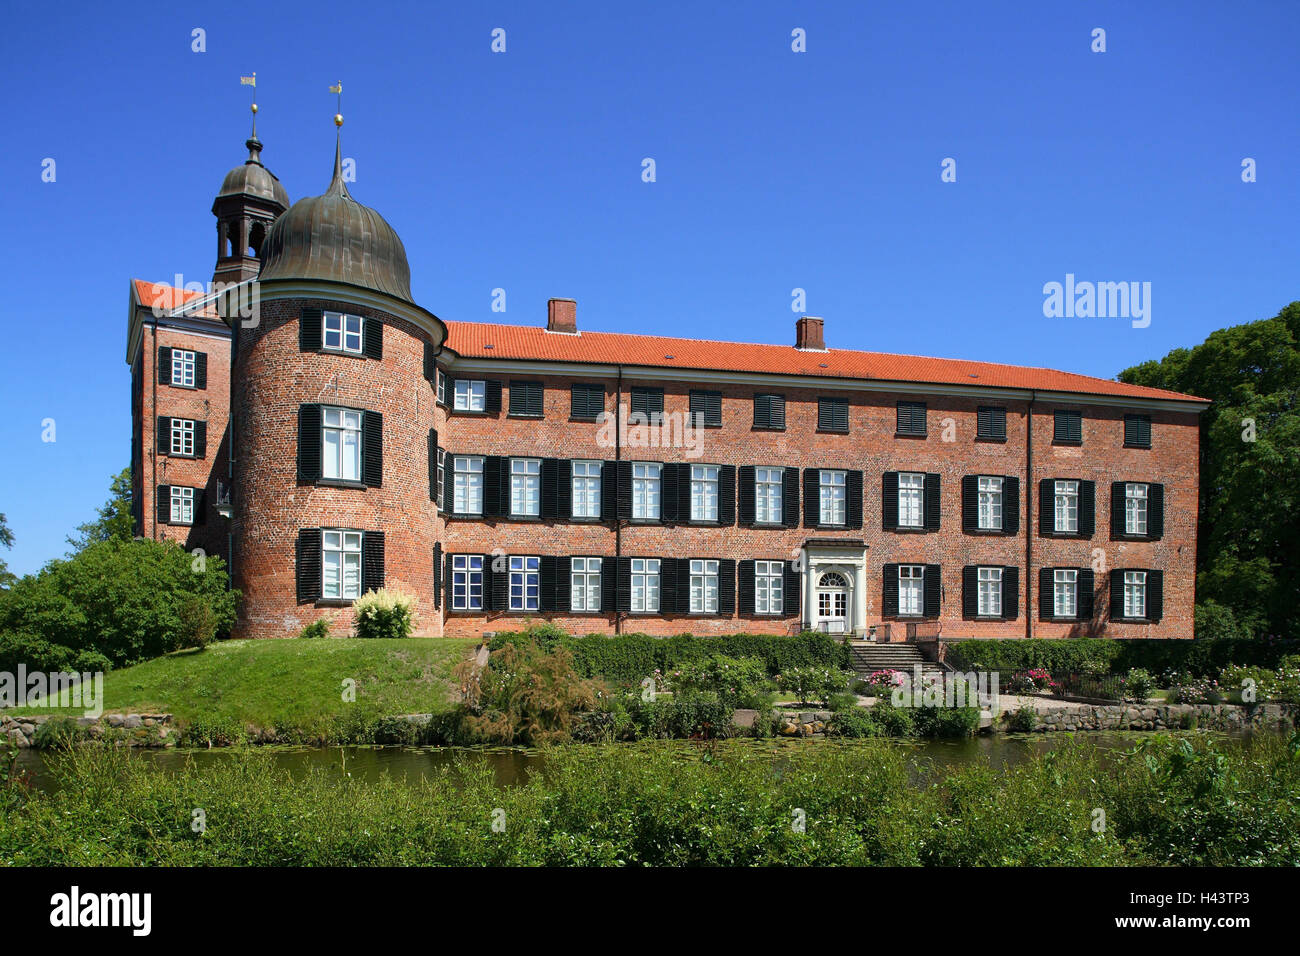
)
(834, 586)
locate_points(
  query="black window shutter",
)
(1117, 503)
(1010, 593)
(1067, 427)
(713, 410)
(309, 330)
(746, 587)
(200, 369)
(832, 414)
(564, 488)
(164, 431)
(620, 571)
(200, 506)
(372, 560)
(727, 495)
(497, 597)
(448, 390)
(546, 583)
(1046, 598)
(668, 586)
(200, 439)
(638, 406)
(163, 502)
(683, 566)
(1046, 506)
(437, 576)
(309, 565)
(812, 498)
(372, 338)
(622, 490)
(727, 587)
(745, 496)
(706, 407)
(933, 590)
(790, 591)
(790, 496)
(492, 504)
(1155, 512)
(682, 477)
(560, 592)
(889, 593)
(825, 415)
(1010, 505)
(911, 418)
(430, 364)
(492, 396)
(447, 582)
(372, 438)
(932, 499)
(970, 592)
(970, 519)
(991, 423)
(1137, 431)
(1155, 595)
(433, 464)
(309, 443)
(656, 404)
(1117, 594)
(1087, 508)
(777, 411)
(609, 501)
(889, 501)
(762, 411)
(588, 401)
(550, 478)
(164, 365)
(526, 398)
(1087, 583)
(853, 491)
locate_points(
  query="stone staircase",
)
(868, 656)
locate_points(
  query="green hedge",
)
(630, 658)
(1067, 655)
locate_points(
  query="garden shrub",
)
(1138, 684)
(57, 733)
(894, 721)
(1022, 720)
(946, 721)
(738, 682)
(316, 629)
(385, 613)
(812, 684)
(854, 722)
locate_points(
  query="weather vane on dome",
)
(338, 88)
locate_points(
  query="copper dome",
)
(334, 237)
(254, 179)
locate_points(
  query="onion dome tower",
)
(331, 412)
(250, 200)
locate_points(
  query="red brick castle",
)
(342, 438)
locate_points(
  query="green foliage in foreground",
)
(1076, 655)
(294, 686)
(1173, 801)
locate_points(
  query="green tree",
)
(1248, 553)
(115, 519)
(6, 540)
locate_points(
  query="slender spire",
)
(253, 143)
(336, 184)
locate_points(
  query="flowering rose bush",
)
(880, 683)
(812, 684)
(1030, 681)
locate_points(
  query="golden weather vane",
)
(338, 88)
(251, 81)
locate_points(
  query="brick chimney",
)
(808, 333)
(562, 315)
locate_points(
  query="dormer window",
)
(341, 333)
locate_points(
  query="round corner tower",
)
(332, 423)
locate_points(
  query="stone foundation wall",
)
(1221, 717)
(129, 730)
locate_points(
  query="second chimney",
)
(562, 315)
(808, 334)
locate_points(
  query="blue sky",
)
(775, 170)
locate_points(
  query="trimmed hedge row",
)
(630, 658)
(1068, 655)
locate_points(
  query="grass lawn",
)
(291, 681)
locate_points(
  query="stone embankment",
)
(130, 730)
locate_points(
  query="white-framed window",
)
(340, 564)
(467, 582)
(341, 333)
(442, 386)
(704, 587)
(767, 496)
(911, 499)
(768, 587)
(990, 592)
(834, 496)
(182, 505)
(183, 436)
(647, 488)
(525, 583)
(341, 443)
(1065, 592)
(704, 492)
(586, 489)
(1135, 594)
(584, 591)
(1135, 508)
(442, 476)
(471, 395)
(911, 589)
(526, 487)
(467, 485)
(183, 365)
(1067, 506)
(645, 585)
(990, 503)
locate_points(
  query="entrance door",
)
(832, 603)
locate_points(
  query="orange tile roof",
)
(471, 339)
(163, 297)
